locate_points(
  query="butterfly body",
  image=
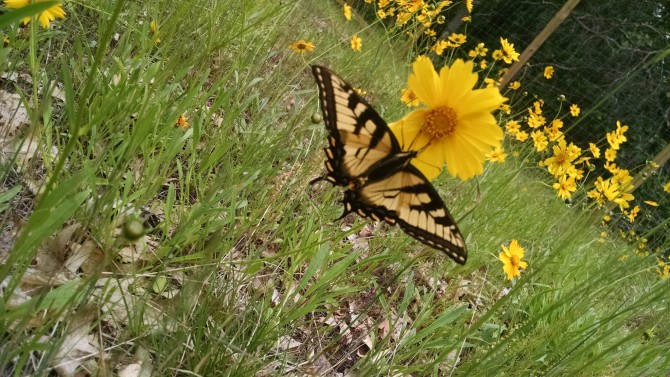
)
(365, 158)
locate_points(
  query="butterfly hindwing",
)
(364, 156)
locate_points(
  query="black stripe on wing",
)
(358, 136)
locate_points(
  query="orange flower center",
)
(301, 46)
(515, 261)
(440, 122)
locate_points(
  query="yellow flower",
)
(5, 40)
(651, 203)
(574, 110)
(181, 121)
(548, 72)
(536, 120)
(521, 136)
(539, 140)
(616, 137)
(594, 150)
(468, 5)
(458, 39)
(497, 155)
(633, 213)
(45, 18)
(562, 159)
(513, 127)
(666, 187)
(565, 187)
(509, 54)
(409, 98)
(347, 12)
(610, 154)
(480, 50)
(439, 47)
(360, 91)
(301, 46)
(515, 85)
(497, 54)
(511, 257)
(356, 43)
(456, 127)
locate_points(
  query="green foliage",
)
(247, 273)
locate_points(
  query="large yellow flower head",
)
(45, 18)
(456, 127)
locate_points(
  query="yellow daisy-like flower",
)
(356, 43)
(45, 18)
(302, 46)
(565, 186)
(515, 85)
(468, 5)
(512, 260)
(594, 150)
(509, 54)
(651, 203)
(548, 72)
(497, 155)
(458, 39)
(575, 110)
(347, 12)
(181, 121)
(610, 154)
(409, 98)
(540, 141)
(666, 187)
(456, 127)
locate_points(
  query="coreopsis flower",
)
(181, 121)
(575, 110)
(439, 47)
(594, 150)
(536, 120)
(562, 159)
(666, 187)
(509, 55)
(521, 136)
(610, 154)
(540, 141)
(409, 98)
(457, 39)
(356, 43)
(616, 137)
(347, 12)
(44, 18)
(480, 50)
(565, 187)
(512, 259)
(633, 213)
(548, 72)
(469, 4)
(497, 155)
(515, 85)
(512, 127)
(360, 91)
(302, 46)
(456, 127)
(651, 203)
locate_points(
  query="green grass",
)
(248, 273)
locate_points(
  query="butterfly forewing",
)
(364, 156)
(358, 134)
